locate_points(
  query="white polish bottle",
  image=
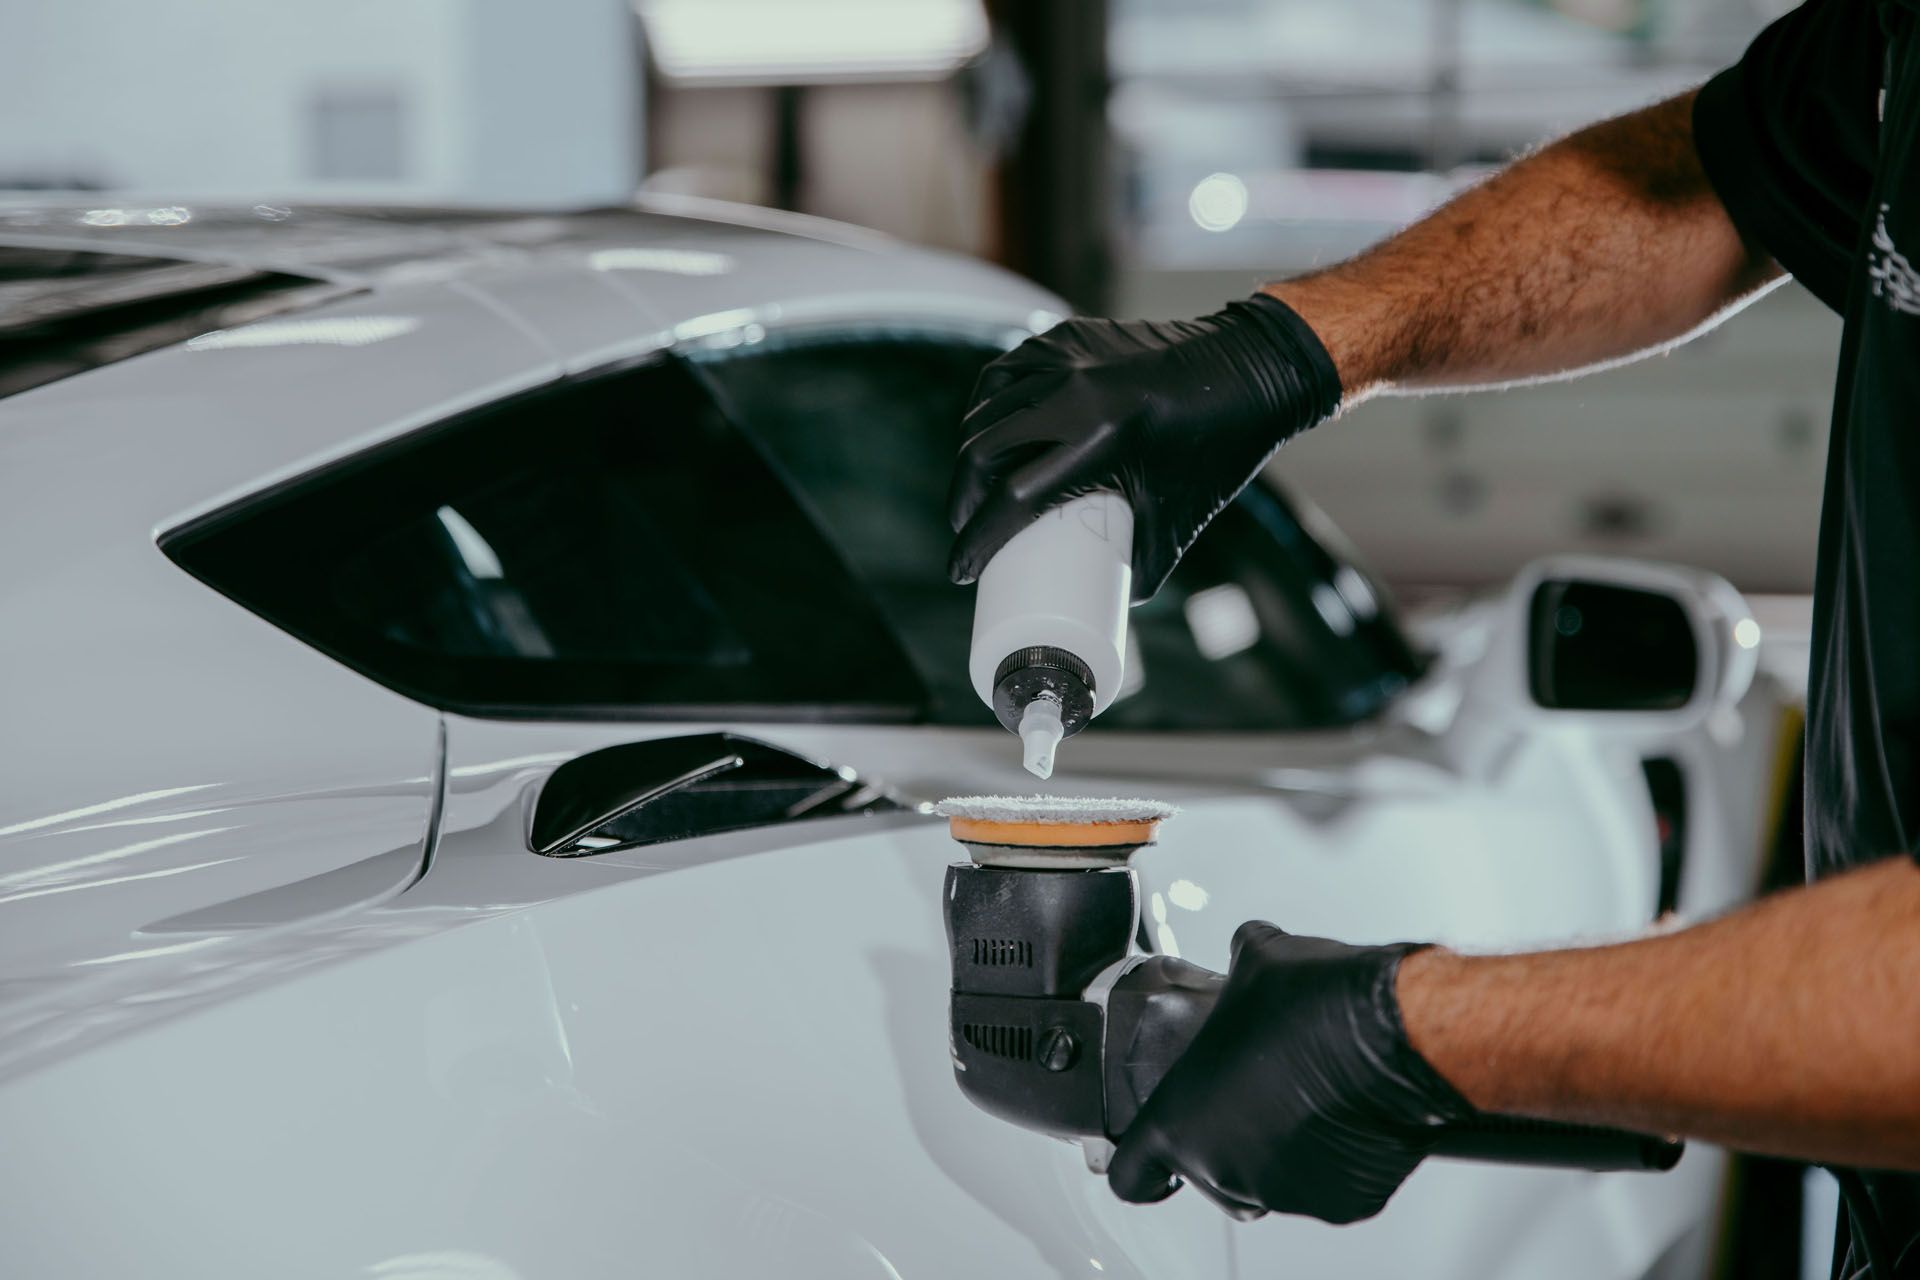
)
(1050, 623)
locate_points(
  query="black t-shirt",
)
(1794, 141)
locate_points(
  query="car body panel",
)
(207, 742)
(500, 1095)
(1378, 835)
(688, 1036)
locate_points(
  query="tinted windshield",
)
(1261, 627)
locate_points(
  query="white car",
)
(330, 534)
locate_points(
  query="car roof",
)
(432, 311)
(374, 246)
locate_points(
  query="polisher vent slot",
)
(1000, 1041)
(1000, 953)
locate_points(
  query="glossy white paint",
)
(260, 1018)
(1394, 833)
(730, 1053)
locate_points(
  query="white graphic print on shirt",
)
(1889, 273)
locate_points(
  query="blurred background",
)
(1141, 157)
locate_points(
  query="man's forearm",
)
(1606, 244)
(1791, 1027)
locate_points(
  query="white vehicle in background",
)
(332, 533)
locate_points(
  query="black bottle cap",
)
(1043, 671)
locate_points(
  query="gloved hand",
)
(1174, 416)
(1300, 1094)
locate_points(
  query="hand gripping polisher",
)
(1058, 1023)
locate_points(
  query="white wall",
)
(459, 100)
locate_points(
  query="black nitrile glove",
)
(1300, 1094)
(1175, 416)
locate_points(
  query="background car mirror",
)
(1606, 646)
(1637, 647)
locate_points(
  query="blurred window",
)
(609, 548)
(1261, 627)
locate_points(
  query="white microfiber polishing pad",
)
(1052, 831)
(1074, 809)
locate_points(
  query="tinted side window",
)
(865, 434)
(1260, 627)
(608, 548)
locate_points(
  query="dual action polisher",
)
(1060, 1024)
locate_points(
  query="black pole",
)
(789, 158)
(1055, 185)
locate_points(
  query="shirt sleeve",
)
(1788, 135)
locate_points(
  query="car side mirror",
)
(1634, 645)
(1607, 646)
(1631, 645)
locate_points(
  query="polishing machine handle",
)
(1155, 1008)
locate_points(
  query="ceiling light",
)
(787, 42)
(1218, 202)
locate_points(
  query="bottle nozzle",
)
(1040, 734)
